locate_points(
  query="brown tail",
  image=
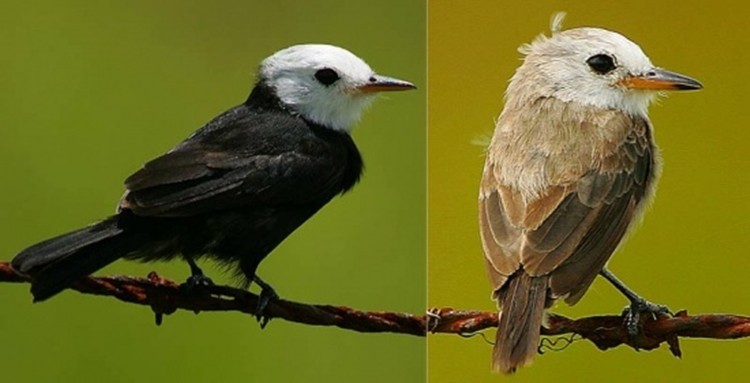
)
(523, 303)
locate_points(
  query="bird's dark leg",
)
(638, 305)
(267, 294)
(196, 278)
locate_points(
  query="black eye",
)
(326, 76)
(601, 63)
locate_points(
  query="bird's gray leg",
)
(638, 305)
(196, 278)
(267, 294)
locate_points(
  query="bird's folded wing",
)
(570, 231)
(194, 180)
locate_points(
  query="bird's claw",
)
(196, 280)
(632, 316)
(267, 294)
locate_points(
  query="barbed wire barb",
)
(165, 296)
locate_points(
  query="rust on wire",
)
(165, 296)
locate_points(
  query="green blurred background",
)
(691, 250)
(92, 90)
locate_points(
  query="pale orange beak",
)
(660, 79)
(378, 83)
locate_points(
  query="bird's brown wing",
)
(570, 231)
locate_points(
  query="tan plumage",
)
(565, 176)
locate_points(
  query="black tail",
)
(57, 263)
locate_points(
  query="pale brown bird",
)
(570, 167)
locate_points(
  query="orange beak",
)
(384, 84)
(660, 79)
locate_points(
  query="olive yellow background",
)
(91, 90)
(691, 250)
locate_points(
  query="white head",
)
(595, 67)
(325, 84)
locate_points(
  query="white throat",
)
(337, 113)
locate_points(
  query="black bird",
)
(239, 185)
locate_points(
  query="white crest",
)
(556, 22)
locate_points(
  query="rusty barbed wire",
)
(165, 297)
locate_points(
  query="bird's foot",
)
(632, 313)
(267, 294)
(632, 316)
(197, 280)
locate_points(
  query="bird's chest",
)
(533, 154)
(343, 162)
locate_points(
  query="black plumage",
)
(232, 191)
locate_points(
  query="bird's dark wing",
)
(571, 231)
(252, 162)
